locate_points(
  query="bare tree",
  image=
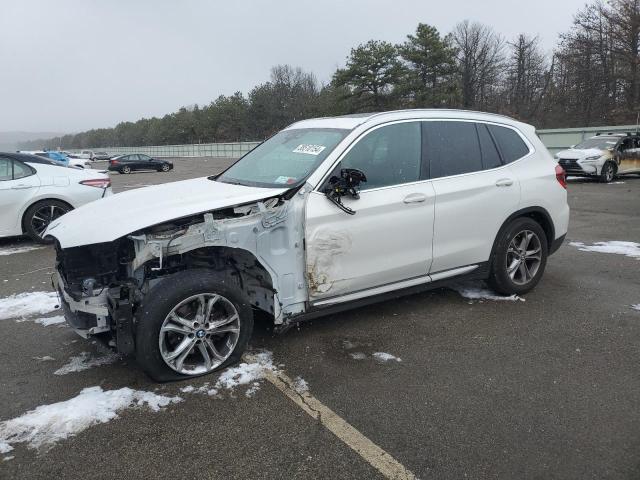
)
(480, 55)
(526, 78)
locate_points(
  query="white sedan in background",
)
(34, 191)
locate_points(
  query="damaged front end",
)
(259, 244)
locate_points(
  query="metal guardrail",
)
(230, 150)
(554, 139)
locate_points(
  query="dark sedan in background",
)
(137, 161)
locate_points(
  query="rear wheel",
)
(192, 323)
(519, 258)
(125, 169)
(39, 215)
(608, 172)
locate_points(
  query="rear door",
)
(135, 163)
(148, 163)
(629, 155)
(18, 184)
(475, 191)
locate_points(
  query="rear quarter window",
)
(511, 145)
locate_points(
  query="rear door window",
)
(5, 169)
(451, 148)
(20, 170)
(511, 145)
(490, 155)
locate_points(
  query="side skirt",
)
(480, 273)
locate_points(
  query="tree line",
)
(592, 78)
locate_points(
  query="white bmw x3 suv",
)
(325, 215)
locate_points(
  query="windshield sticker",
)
(285, 180)
(309, 149)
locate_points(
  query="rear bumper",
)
(556, 244)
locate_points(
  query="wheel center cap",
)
(200, 333)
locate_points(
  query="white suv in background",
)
(328, 214)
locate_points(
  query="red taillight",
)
(114, 162)
(561, 176)
(97, 182)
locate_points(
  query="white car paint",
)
(140, 208)
(301, 251)
(49, 182)
(79, 163)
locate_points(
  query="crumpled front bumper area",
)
(87, 316)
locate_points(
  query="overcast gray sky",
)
(70, 65)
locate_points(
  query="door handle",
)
(21, 186)
(504, 182)
(415, 198)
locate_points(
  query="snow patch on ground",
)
(300, 385)
(385, 357)
(475, 291)
(246, 373)
(85, 361)
(13, 250)
(48, 424)
(46, 321)
(630, 249)
(636, 306)
(46, 358)
(27, 304)
(358, 355)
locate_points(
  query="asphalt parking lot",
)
(542, 388)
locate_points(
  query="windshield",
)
(286, 159)
(599, 143)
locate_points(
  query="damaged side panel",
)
(271, 230)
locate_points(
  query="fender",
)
(540, 215)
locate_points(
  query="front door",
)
(389, 238)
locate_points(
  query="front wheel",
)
(192, 323)
(164, 168)
(608, 172)
(519, 258)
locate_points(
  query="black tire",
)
(168, 293)
(33, 227)
(608, 172)
(126, 169)
(165, 168)
(499, 278)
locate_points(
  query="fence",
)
(563, 138)
(232, 150)
(554, 139)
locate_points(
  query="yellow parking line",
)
(369, 451)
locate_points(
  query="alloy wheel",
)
(524, 257)
(44, 215)
(608, 173)
(199, 334)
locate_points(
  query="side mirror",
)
(348, 183)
